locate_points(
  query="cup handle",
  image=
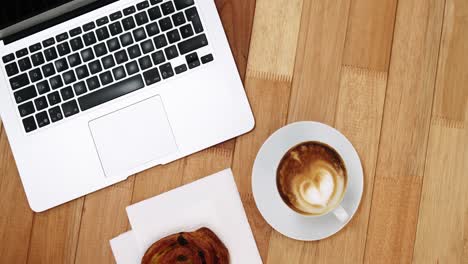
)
(341, 214)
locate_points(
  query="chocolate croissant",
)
(198, 247)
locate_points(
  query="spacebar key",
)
(111, 92)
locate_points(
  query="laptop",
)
(92, 92)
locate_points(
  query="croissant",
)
(198, 247)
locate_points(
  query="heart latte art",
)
(311, 178)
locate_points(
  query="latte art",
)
(311, 178)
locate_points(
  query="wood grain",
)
(405, 130)
(443, 216)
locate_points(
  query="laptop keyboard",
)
(105, 59)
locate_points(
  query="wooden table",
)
(391, 75)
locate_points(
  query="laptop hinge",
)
(55, 21)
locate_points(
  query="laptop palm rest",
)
(130, 137)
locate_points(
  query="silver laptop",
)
(92, 92)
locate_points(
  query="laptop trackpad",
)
(133, 136)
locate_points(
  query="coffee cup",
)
(312, 179)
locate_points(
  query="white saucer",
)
(265, 191)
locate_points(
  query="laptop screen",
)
(19, 10)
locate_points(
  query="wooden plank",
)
(444, 203)
(55, 234)
(108, 205)
(15, 215)
(405, 129)
(359, 118)
(370, 34)
(268, 82)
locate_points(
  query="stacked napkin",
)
(212, 202)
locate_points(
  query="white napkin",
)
(213, 202)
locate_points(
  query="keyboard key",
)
(168, 8)
(152, 76)
(134, 51)
(106, 78)
(41, 103)
(142, 5)
(115, 16)
(186, 31)
(132, 67)
(166, 70)
(165, 24)
(56, 82)
(89, 38)
(74, 60)
(121, 56)
(37, 59)
(102, 21)
(35, 75)
(192, 44)
(152, 29)
(48, 42)
(145, 62)
(24, 64)
(111, 92)
(173, 36)
(87, 54)
(119, 73)
(29, 124)
(55, 114)
(50, 54)
(126, 39)
(8, 58)
(76, 44)
(139, 34)
(160, 41)
(88, 26)
(171, 52)
(158, 57)
(75, 31)
(178, 19)
(102, 33)
(80, 88)
(95, 67)
(19, 81)
(147, 46)
(154, 2)
(192, 60)
(42, 119)
(62, 37)
(113, 44)
(93, 83)
(25, 94)
(192, 15)
(181, 4)
(82, 72)
(180, 69)
(128, 23)
(21, 53)
(115, 28)
(63, 49)
(108, 62)
(141, 18)
(67, 93)
(100, 49)
(35, 47)
(68, 77)
(26, 109)
(12, 69)
(154, 13)
(54, 98)
(70, 108)
(129, 10)
(207, 58)
(43, 87)
(48, 70)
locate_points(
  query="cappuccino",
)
(311, 178)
